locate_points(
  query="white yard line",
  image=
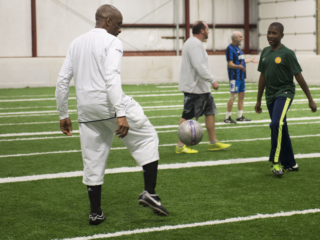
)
(32, 112)
(44, 95)
(27, 123)
(146, 108)
(150, 117)
(175, 126)
(139, 169)
(142, 95)
(167, 131)
(197, 224)
(243, 126)
(55, 107)
(33, 99)
(222, 84)
(161, 145)
(38, 138)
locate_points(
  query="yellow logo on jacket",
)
(278, 60)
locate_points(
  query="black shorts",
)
(196, 105)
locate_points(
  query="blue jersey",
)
(234, 54)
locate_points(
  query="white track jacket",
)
(94, 60)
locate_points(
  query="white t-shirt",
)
(194, 75)
(94, 60)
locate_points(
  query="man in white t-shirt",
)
(195, 82)
(94, 60)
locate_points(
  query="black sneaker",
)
(295, 168)
(95, 219)
(152, 201)
(229, 120)
(243, 119)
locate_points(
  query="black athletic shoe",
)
(295, 168)
(229, 120)
(152, 201)
(243, 119)
(95, 219)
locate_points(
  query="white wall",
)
(15, 28)
(61, 21)
(298, 19)
(43, 72)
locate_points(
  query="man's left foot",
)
(152, 201)
(295, 168)
(243, 119)
(95, 219)
(217, 146)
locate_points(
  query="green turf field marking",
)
(161, 145)
(175, 130)
(160, 167)
(244, 124)
(143, 95)
(198, 224)
(146, 108)
(150, 117)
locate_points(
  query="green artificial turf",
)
(59, 208)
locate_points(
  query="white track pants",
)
(96, 140)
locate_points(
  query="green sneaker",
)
(217, 146)
(185, 149)
(277, 169)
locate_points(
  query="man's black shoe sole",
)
(96, 222)
(155, 209)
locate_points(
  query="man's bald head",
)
(106, 11)
(109, 18)
(235, 34)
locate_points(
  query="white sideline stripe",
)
(175, 130)
(177, 90)
(175, 86)
(165, 108)
(150, 117)
(55, 107)
(198, 224)
(222, 84)
(38, 138)
(241, 126)
(33, 99)
(164, 101)
(162, 145)
(146, 107)
(27, 123)
(147, 95)
(139, 169)
(31, 112)
(255, 121)
(142, 95)
(33, 133)
(161, 127)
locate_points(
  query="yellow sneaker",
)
(217, 146)
(185, 149)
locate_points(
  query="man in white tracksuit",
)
(94, 60)
(195, 82)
